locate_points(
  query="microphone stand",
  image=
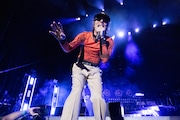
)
(100, 36)
(101, 46)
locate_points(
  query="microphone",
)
(101, 32)
(101, 36)
(98, 36)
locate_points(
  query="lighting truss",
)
(54, 98)
(28, 93)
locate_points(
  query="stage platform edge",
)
(125, 118)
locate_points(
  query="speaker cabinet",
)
(115, 111)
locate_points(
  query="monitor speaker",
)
(115, 111)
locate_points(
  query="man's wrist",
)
(103, 40)
(25, 112)
(62, 41)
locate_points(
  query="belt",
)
(89, 63)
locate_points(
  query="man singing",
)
(96, 47)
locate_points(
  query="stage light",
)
(129, 33)
(121, 34)
(129, 36)
(121, 2)
(139, 94)
(68, 20)
(107, 92)
(103, 10)
(129, 93)
(31, 81)
(136, 30)
(54, 98)
(118, 93)
(154, 25)
(28, 93)
(165, 21)
(78, 18)
(25, 107)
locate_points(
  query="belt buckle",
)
(88, 63)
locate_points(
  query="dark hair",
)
(102, 15)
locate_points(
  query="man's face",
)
(100, 25)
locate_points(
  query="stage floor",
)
(125, 118)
